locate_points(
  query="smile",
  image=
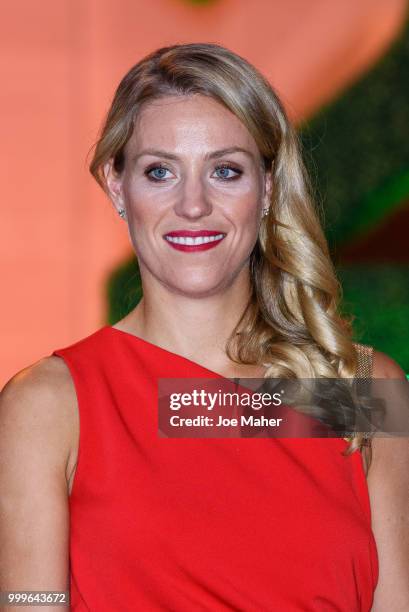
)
(194, 243)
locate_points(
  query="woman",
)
(199, 158)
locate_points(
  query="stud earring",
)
(265, 212)
(122, 213)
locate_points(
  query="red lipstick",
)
(194, 240)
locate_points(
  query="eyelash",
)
(219, 167)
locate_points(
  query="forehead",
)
(198, 120)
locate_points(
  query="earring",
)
(122, 213)
(265, 212)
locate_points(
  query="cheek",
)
(242, 200)
(141, 204)
(244, 213)
(146, 200)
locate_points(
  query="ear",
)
(268, 189)
(113, 184)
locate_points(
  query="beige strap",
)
(364, 370)
(365, 360)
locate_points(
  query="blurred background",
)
(341, 69)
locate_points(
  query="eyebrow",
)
(212, 155)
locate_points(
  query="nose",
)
(193, 201)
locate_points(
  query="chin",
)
(196, 288)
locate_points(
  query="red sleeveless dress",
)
(199, 524)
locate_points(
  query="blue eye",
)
(225, 168)
(160, 173)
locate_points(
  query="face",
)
(193, 188)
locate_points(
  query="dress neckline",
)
(136, 338)
(212, 373)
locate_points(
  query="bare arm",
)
(388, 484)
(35, 445)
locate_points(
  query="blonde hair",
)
(292, 320)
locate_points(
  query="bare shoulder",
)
(47, 375)
(388, 486)
(44, 389)
(383, 447)
(39, 404)
(386, 367)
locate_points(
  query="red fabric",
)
(255, 524)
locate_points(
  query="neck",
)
(195, 327)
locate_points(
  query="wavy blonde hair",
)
(292, 321)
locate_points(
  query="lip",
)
(193, 233)
(189, 248)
